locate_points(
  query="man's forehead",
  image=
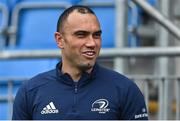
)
(79, 21)
(77, 15)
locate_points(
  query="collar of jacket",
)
(85, 77)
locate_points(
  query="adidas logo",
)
(50, 108)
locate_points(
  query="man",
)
(79, 88)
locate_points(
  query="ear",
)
(59, 39)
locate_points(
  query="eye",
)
(81, 34)
(97, 35)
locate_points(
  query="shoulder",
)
(114, 76)
(117, 80)
(27, 92)
(39, 80)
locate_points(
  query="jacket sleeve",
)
(134, 107)
(20, 106)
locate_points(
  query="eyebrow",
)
(86, 32)
(100, 31)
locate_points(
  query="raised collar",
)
(85, 77)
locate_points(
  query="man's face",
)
(81, 40)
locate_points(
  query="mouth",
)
(89, 54)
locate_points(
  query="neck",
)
(74, 72)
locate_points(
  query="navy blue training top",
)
(103, 94)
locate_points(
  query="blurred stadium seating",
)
(4, 18)
(8, 91)
(31, 25)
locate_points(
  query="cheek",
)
(98, 44)
(74, 48)
(78, 44)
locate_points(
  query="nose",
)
(91, 42)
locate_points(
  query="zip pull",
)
(75, 87)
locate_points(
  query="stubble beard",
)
(87, 66)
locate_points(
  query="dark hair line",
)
(63, 17)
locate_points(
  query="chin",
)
(87, 66)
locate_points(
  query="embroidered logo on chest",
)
(100, 106)
(50, 108)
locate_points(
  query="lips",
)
(89, 54)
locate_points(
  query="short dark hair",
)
(63, 17)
